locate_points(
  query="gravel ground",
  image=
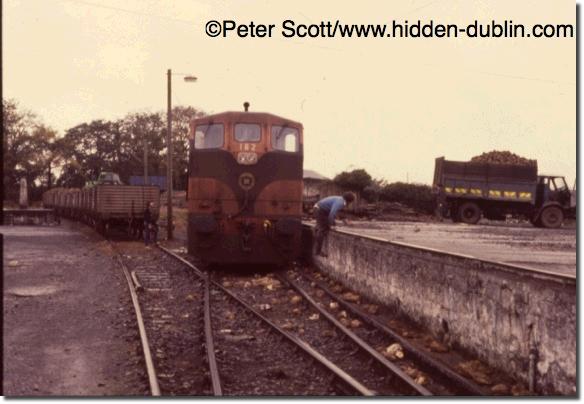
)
(69, 329)
(287, 309)
(254, 360)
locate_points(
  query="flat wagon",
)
(106, 205)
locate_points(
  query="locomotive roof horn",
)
(246, 106)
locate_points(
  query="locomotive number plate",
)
(247, 158)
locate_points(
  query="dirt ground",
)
(519, 244)
(69, 328)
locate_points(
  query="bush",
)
(370, 193)
(355, 180)
(416, 196)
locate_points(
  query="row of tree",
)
(417, 196)
(35, 152)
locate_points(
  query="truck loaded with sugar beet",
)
(497, 184)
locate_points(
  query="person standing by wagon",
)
(150, 228)
(325, 212)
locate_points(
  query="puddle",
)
(32, 291)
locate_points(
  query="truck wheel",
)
(469, 213)
(552, 217)
(454, 214)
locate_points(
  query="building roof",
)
(313, 175)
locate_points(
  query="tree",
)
(181, 118)
(29, 151)
(371, 192)
(89, 149)
(46, 152)
(140, 131)
(123, 145)
(355, 180)
(417, 196)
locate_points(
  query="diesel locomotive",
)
(245, 188)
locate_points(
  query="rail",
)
(210, 345)
(151, 371)
(340, 374)
(393, 369)
(465, 385)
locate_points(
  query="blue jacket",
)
(331, 204)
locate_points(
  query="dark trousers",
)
(322, 228)
(150, 233)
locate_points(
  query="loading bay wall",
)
(494, 311)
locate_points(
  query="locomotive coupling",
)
(267, 225)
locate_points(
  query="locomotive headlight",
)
(247, 158)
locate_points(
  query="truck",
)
(467, 191)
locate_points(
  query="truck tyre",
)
(469, 212)
(454, 214)
(552, 217)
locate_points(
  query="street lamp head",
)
(190, 78)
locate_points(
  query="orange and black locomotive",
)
(245, 188)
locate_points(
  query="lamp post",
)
(187, 78)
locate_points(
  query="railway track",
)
(356, 346)
(244, 353)
(438, 378)
(296, 314)
(172, 317)
(257, 357)
(354, 351)
(250, 350)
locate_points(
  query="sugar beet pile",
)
(503, 157)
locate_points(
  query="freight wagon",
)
(105, 206)
(466, 191)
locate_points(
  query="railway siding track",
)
(169, 303)
(229, 331)
(309, 381)
(282, 305)
(254, 359)
(439, 371)
(150, 369)
(390, 366)
(239, 313)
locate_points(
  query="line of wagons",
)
(106, 205)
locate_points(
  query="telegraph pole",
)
(188, 78)
(169, 159)
(145, 146)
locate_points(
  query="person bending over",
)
(325, 212)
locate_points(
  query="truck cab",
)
(554, 201)
(109, 178)
(552, 189)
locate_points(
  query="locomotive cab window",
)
(248, 132)
(209, 136)
(285, 139)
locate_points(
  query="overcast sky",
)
(387, 105)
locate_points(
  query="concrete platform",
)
(500, 313)
(68, 325)
(551, 250)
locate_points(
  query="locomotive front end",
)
(245, 188)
